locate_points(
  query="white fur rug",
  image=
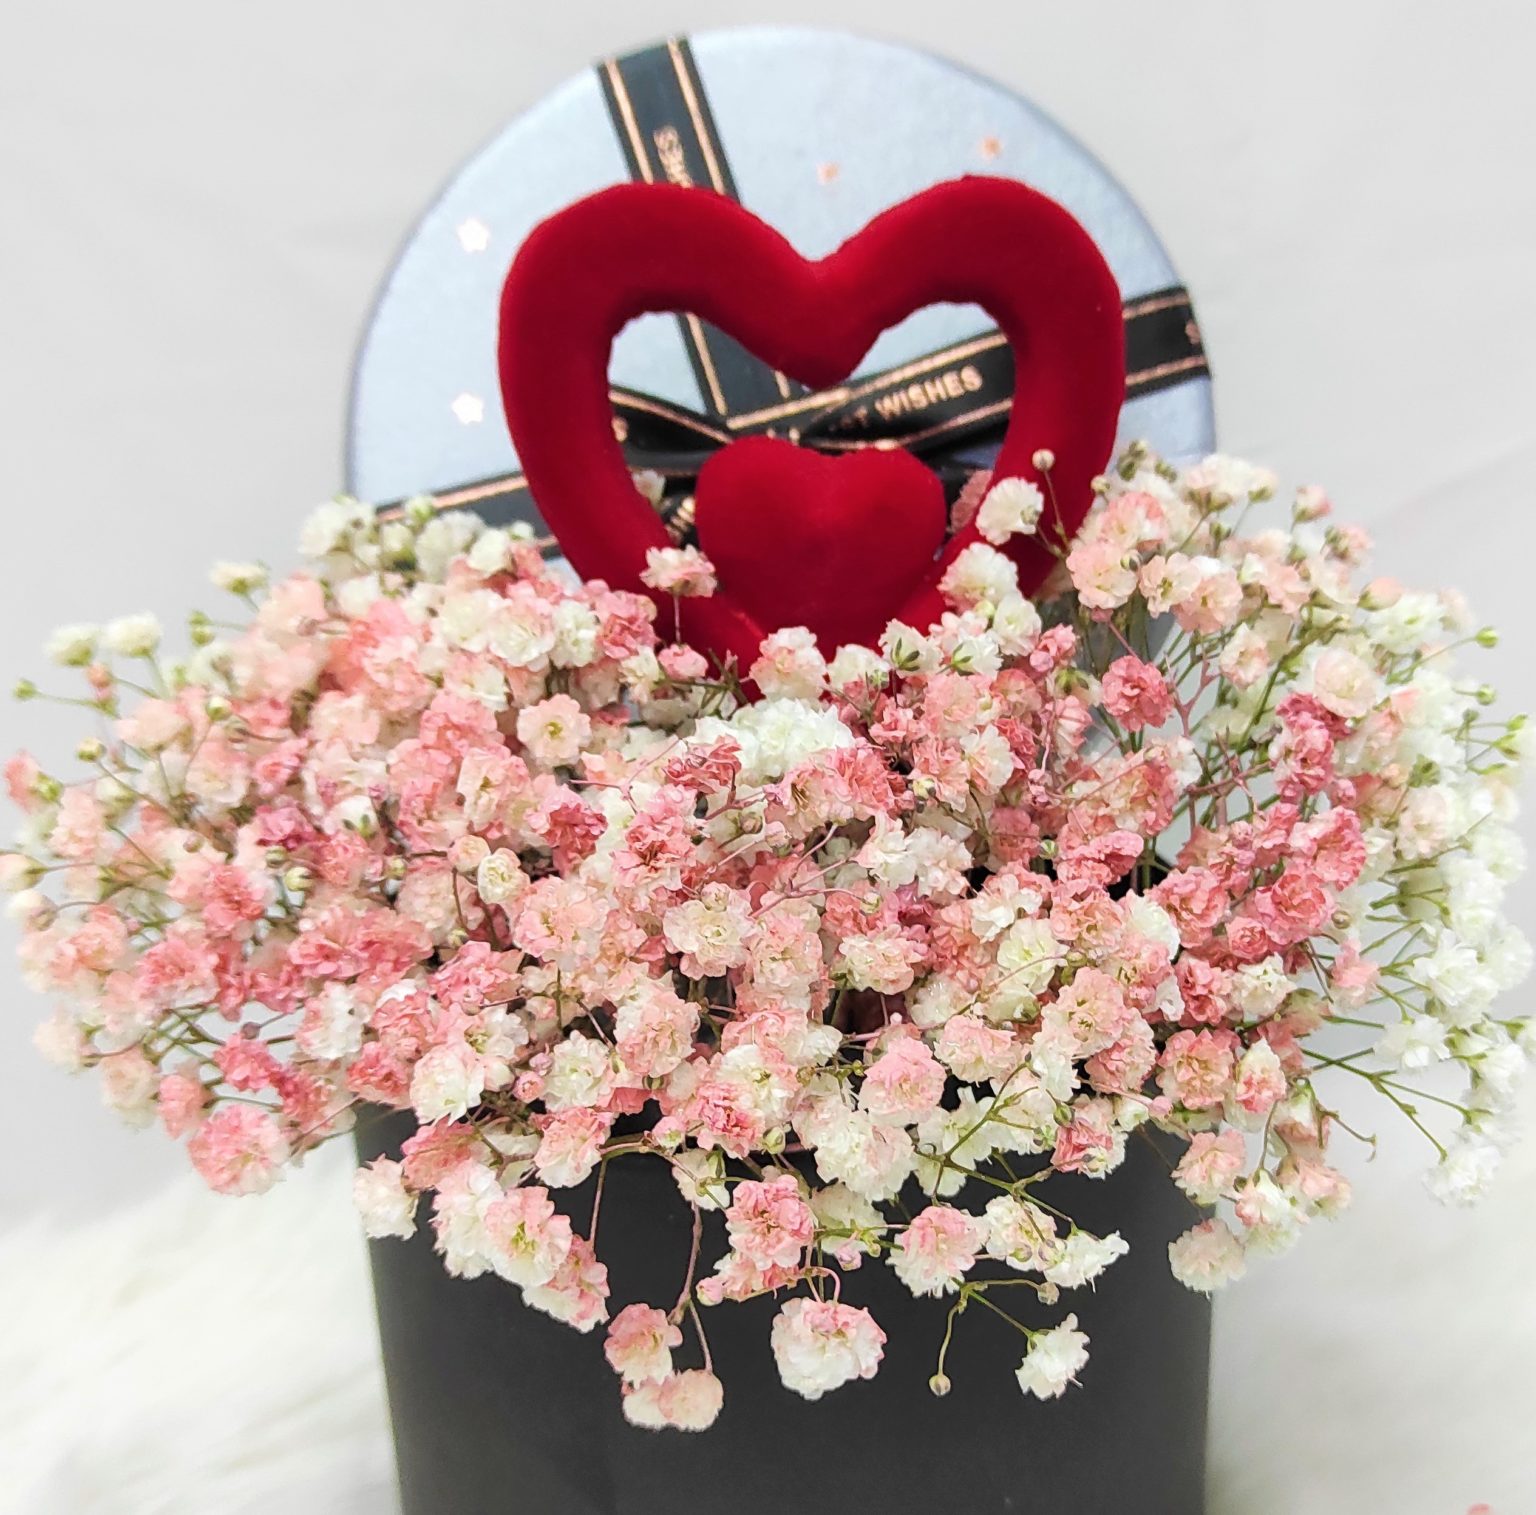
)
(195, 1356)
(198, 1356)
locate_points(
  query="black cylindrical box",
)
(499, 1410)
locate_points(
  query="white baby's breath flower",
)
(330, 526)
(499, 878)
(386, 1206)
(1084, 1257)
(1464, 1173)
(1414, 1042)
(777, 735)
(1015, 625)
(490, 552)
(854, 664)
(1012, 507)
(576, 628)
(239, 578)
(132, 636)
(443, 538)
(907, 650)
(446, 1082)
(1207, 1257)
(1226, 479)
(979, 575)
(73, 646)
(1054, 1359)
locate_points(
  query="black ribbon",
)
(945, 407)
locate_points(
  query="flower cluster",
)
(864, 944)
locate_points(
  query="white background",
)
(199, 201)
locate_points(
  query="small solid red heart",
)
(587, 271)
(790, 531)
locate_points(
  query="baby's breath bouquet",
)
(863, 944)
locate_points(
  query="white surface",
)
(200, 201)
(186, 1357)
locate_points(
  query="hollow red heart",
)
(587, 271)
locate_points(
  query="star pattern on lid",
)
(474, 235)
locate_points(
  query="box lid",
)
(820, 132)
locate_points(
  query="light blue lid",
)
(822, 131)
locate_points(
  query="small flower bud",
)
(91, 750)
(939, 1385)
(1044, 459)
(25, 690)
(1487, 637)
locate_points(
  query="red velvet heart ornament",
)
(790, 530)
(587, 271)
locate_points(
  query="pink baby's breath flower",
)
(934, 1253)
(688, 1401)
(80, 827)
(238, 1150)
(570, 1146)
(181, 1100)
(555, 731)
(1206, 1257)
(578, 1293)
(447, 1081)
(903, 1084)
(790, 666)
(1103, 574)
(683, 571)
(440, 830)
(1089, 1143)
(820, 1345)
(1211, 1165)
(712, 931)
(387, 1207)
(1196, 1067)
(1136, 694)
(885, 960)
(769, 1223)
(1345, 683)
(526, 1239)
(1352, 976)
(1260, 1082)
(640, 1344)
